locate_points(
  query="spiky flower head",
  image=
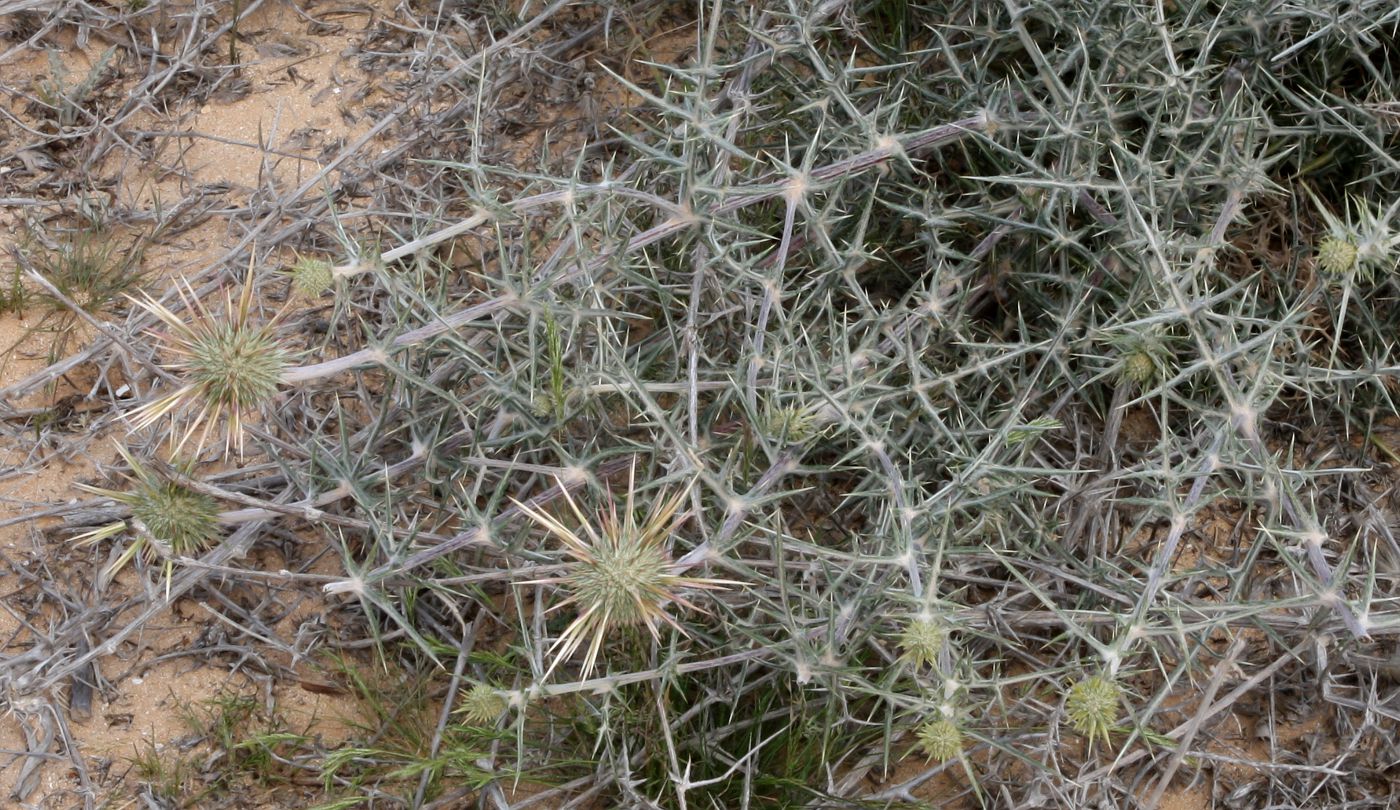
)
(1139, 367)
(1362, 242)
(229, 365)
(792, 424)
(621, 574)
(941, 739)
(1336, 256)
(922, 640)
(481, 705)
(1093, 705)
(310, 277)
(169, 519)
(1142, 357)
(546, 404)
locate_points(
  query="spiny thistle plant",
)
(622, 575)
(481, 705)
(936, 289)
(230, 365)
(1092, 706)
(168, 519)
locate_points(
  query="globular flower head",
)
(791, 424)
(1143, 358)
(1139, 367)
(921, 640)
(548, 405)
(1336, 256)
(481, 705)
(621, 574)
(1093, 704)
(941, 739)
(229, 365)
(310, 277)
(623, 581)
(184, 520)
(171, 520)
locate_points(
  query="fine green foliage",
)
(234, 745)
(85, 271)
(165, 776)
(92, 268)
(12, 294)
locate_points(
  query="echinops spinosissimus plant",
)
(885, 357)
